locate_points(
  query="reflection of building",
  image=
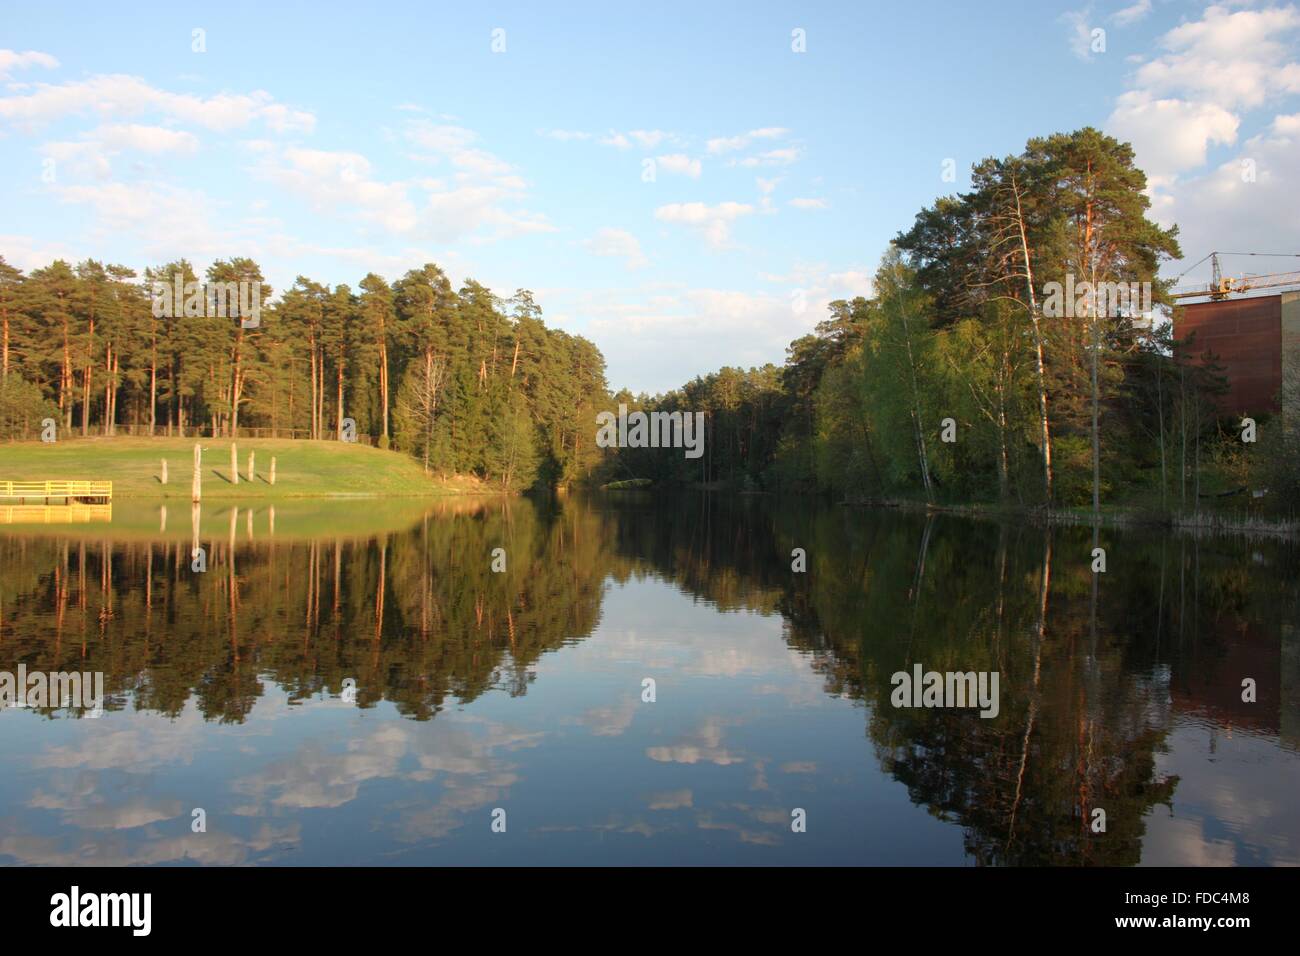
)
(1255, 339)
(1207, 681)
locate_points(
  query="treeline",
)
(462, 380)
(968, 376)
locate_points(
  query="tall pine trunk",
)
(86, 375)
(1046, 433)
(383, 380)
(236, 382)
(153, 390)
(917, 422)
(338, 412)
(313, 390)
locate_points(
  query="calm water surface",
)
(352, 684)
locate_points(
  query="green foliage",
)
(22, 409)
(953, 382)
(483, 387)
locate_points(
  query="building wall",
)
(1246, 335)
(1291, 341)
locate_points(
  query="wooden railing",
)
(56, 489)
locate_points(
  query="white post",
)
(196, 490)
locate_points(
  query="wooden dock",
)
(69, 491)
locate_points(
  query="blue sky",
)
(334, 139)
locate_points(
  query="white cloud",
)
(649, 138)
(1132, 14)
(80, 158)
(679, 163)
(120, 96)
(1080, 32)
(1212, 77)
(773, 157)
(564, 135)
(713, 222)
(728, 144)
(478, 210)
(13, 60)
(342, 181)
(822, 286)
(645, 138)
(472, 202)
(144, 206)
(27, 253)
(809, 203)
(618, 243)
(1234, 59)
(483, 184)
(456, 144)
(660, 335)
(91, 156)
(1246, 202)
(146, 139)
(852, 282)
(1170, 135)
(130, 221)
(282, 119)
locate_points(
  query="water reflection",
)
(354, 683)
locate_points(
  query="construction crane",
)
(1222, 286)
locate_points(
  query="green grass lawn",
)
(303, 468)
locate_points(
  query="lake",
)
(643, 679)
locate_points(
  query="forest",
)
(463, 381)
(956, 381)
(1073, 408)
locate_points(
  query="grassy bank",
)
(304, 469)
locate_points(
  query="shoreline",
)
(1281, 528)
(1203, 522)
